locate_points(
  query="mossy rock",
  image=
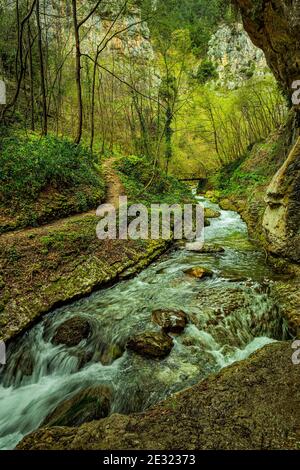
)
(72, 332)
(199, 272)
(171, 321)
(151, 344)
(87, 405)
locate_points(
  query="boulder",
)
(151, 344)
(87, 405)
(199, 272)
(171, 321)
(227, 205)
(211, 213)
(72, 331)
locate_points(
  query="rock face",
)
(282, 216)
(274, 26)
(72, 331)
(235, 56)
(252, 404)
(151, 344)
(88, 405)
(171, 321)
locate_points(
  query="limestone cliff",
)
(235, 56)
(274, 26)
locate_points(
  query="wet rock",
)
(110, 352)
(227, 205)
(211, 213)
(151, 344)
(209, 249)
(199, 272)
(72, 331)
(87, 405)
(171, 321)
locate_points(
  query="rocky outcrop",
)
(235, 56)
(282, 216)
(253, 404)
(274, 26)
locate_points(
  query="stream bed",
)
(230, 316)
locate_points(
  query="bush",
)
(206, 71)
(28, 165)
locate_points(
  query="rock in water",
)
(87, 405)
(199, 272)
(207, 249)
(227, 205)
(151, 344)
(211, 213)
(171, 321)
(72, 331)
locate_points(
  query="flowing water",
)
(231, 315)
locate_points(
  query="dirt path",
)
(114, 187)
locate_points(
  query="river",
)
(231, 315)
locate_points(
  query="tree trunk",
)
(77, 72)
(42, 71)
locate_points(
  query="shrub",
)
(28, 165)
(206, 71)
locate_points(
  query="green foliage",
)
(206, 71)
(137, 172)
(199, 17)
(29, 165)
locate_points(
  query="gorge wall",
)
(274, 26)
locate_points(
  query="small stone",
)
(171, 321)
(199, 272)
(211, 213)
